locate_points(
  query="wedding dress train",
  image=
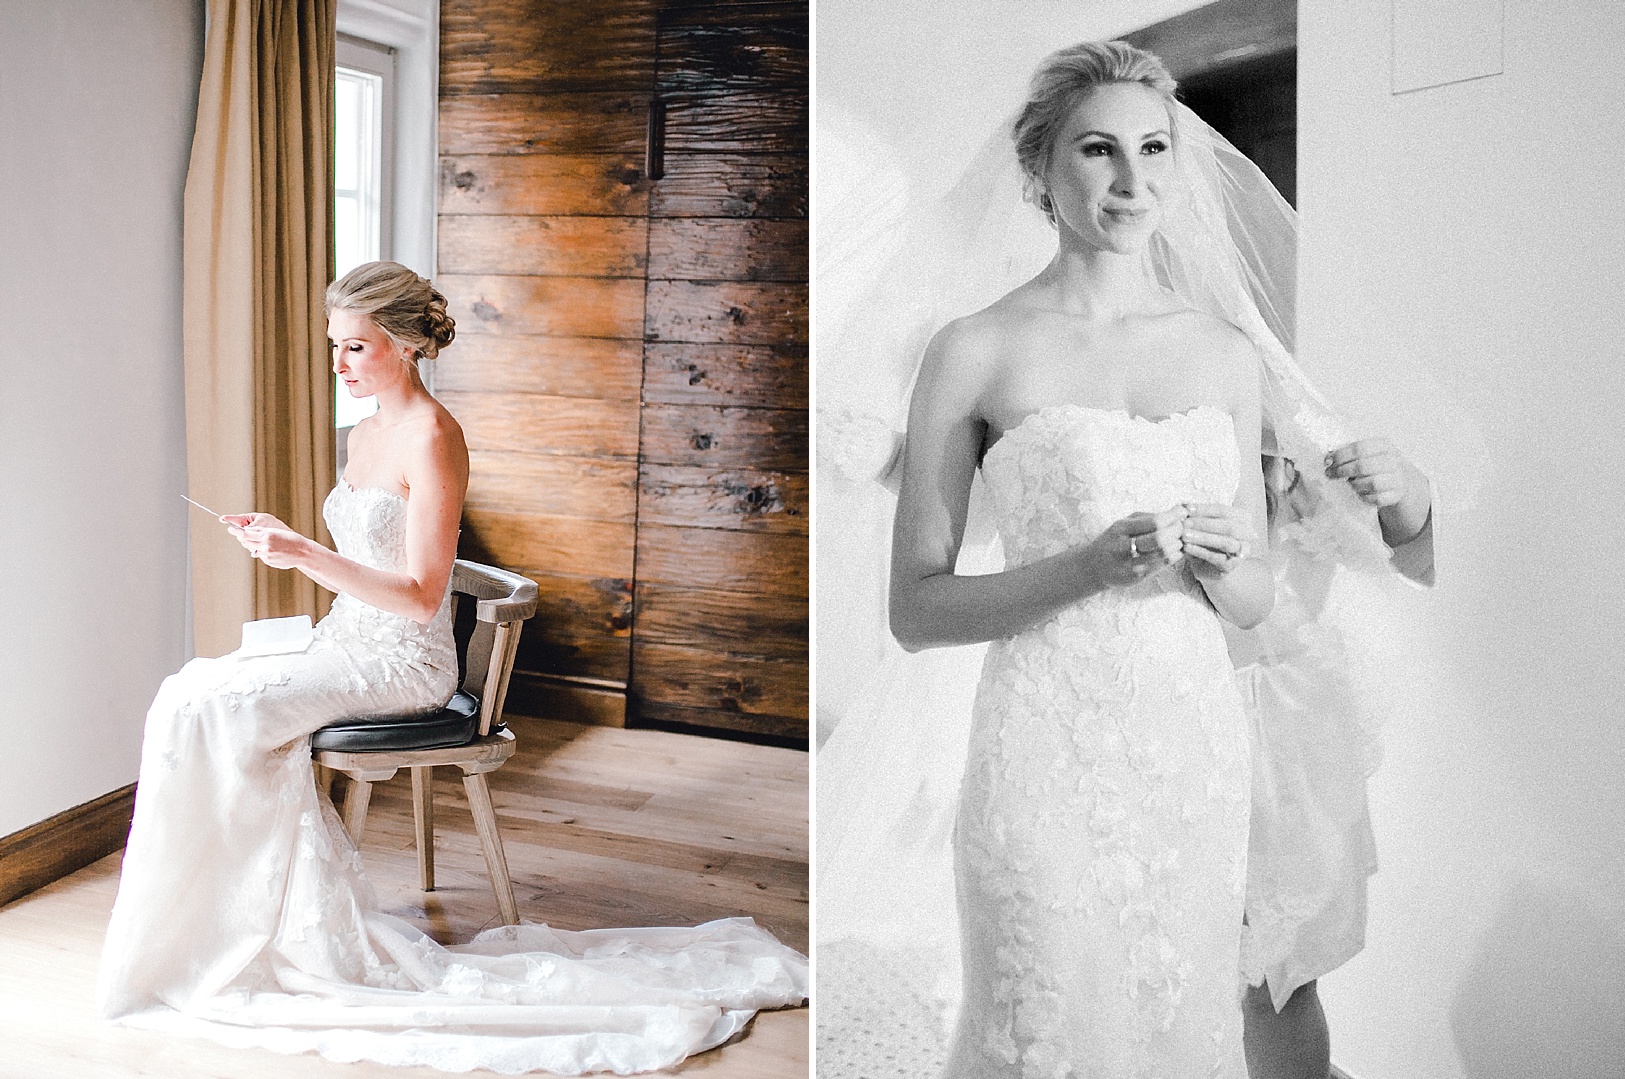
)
(243, 915)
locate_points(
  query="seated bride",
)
(243, 914)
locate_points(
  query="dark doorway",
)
(1237, 66)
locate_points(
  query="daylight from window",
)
(357, 196)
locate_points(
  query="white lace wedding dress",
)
(1100, 847)
(243, 915)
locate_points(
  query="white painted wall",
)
(97, 99)
(1479, 226)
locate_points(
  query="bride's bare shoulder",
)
(434, 440)
(964, 352)
(976, 342)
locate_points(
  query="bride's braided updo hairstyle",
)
(1060, 83)
(406, 307)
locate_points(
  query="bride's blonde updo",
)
(406, 307)
(1063, 80)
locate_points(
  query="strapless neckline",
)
(1031, 419)
(364, 488)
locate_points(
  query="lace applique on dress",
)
(369, 525)
(1102, 831)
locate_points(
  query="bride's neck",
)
(397, 401)
(1098, 285)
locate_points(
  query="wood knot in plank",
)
(753, 500)
(616, 592)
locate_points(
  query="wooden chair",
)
(467, 733)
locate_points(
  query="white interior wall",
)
(97, 99)
(1477, 227)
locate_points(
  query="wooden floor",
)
(603, 827)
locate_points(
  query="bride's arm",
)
(437, 478)
(931, 606)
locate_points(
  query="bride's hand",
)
(1216, 538)
(235, 522)
(267, 539)
(1137, 546)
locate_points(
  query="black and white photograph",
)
(1216, 560)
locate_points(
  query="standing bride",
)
(1101, 835)
(242, 913)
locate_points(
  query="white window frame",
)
(412, 29)
(376, 177)
(378, 60)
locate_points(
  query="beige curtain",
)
(257, 256)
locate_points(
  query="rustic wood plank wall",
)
(543, 241)
(720, 631)
(631, 361)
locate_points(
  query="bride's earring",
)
(1047, 204)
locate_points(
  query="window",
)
(363, 88)
(357, 169)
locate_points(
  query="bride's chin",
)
(1123, 239)
(1129, 244)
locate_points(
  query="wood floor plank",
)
(601, 826)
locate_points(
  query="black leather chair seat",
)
(454, 725)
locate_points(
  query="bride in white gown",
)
(242, 912)
(1107, 418)
(1100, 843)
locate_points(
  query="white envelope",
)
(276, 636)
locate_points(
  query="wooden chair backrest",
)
(503, 600)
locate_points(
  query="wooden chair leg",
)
(485, 822)
(355, 807)
(423, 815)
